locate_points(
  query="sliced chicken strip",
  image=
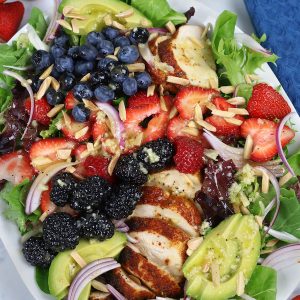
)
(156, 279)
(120, 280)
(161, 242)
(181, 211)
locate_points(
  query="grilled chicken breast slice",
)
(160, 242)
(120, 280)
(181, 211)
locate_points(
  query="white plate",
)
(9, 233)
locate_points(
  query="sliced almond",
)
(215, 274)
(234, 121)
(70, 169)
(98, 285)
(43, 216)
(90, 105)
(55, 110)
(46, 73)
(64, 24)
(44, 87)
(211, 153)
(112, 57)
(90, 147)
(240, 284)
(248, 147)
(211, 106)
(75, 27)
(191, 131)
(271, 243)
(161, 90)
(118, 25)
(67, 119)
(194, 243)
(78, 259)
(125, 14)
(198, 112)
(171, 27)
(67, 9)
(86, 77)
(222, 113)
(84, 154)
(122, 111)
(113, 163)
(63, 153)
(284, 179)
(80, 133)
(151, 90)
(227, 89)
(153, 36)
(55, 84)
(178, 80)
(265, 184)
(239, 111)
(206, 125)
(163, 104)
(192, 124)
(76, 16)
(138, 67)
(117, 49)
(162, 39)
(173, 112)
(237, 101)
(259, 221)
(107, 20)
(41, 160)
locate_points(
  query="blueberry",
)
(80, 113)
(143, 80)
(99, 77)
(116, 87)
(94, 37)
(121, 41)
(104, 93)
(83, 67)
(139, 35)
(107, 64)
(36, 83)
(105, 47)
(57, 51)
(128, 54)
(74, 52)
(64, 64)
(55, 73)
(119, 73)
(129, 86)
(88, 52)
(62, 40)
(82, 91)
(111, 33)
(54, 97)
(41, 60)
(68, 81)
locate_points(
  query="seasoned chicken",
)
(177, 183)
(181, 211)
(127, 286)
(155, 278)
(160, 242)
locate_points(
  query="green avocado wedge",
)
(95, 10)
(234, 247)
(63, 268)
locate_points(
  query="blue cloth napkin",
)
(280, 20)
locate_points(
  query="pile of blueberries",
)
(109, 78)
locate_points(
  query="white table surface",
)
(11, 286)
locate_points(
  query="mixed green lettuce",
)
(52, 130)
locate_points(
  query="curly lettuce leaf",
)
(234, 61)
(38, 22)
(52, 130)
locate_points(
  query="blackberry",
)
(96, 226)
(157, 154)
(130, 170)
(63, 185)
(60, 232)
(36, 253)
(90, 193)
(122, 201)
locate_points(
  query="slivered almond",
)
(67, 9)
(84, 154)
(118, 25)
(240, 284)
(125, 14)
(90, 147)
(206, 125)
(161, 39)
(163, 104)
(153, 36)
(211, 106)
(112, 57)
(161, 89)
(29, 81)
(75, 27)
(107, 20)
(138, 140)
(122, 111)
(117, 51)
(244, 210)
(192, 124)
(239, 111)
(44, 87)
(113, 163)
(151, 90)
(227, 89)
(46, 73)
(271, 243)
(211, 153)
(64, 24)
(234, 121)
(171, 27)
(237, 101)
(191, 131)
(55, 84)
(55, 110)
(98, 285)
(173, 112)
(41, 160)
(267, 251)
(78, 259)
(284, 179)
(63, 153)
(196, 42)
(215, 273)
(178, 80)
(67, 119)
(43, 216)
(90, 105)
(86, 77)
(198, 112)
(194, 243)
(259, 221)
(76, 16)
(70, 169)
(248, 147)
(138, 67)
(222, 113)
(80, 133)
(265, 184)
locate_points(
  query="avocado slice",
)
(63, 268)
(95, 10)
(234, 246)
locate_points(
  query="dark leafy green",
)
(38, 22)
(41, 278)
(52, 130)
(294, 162)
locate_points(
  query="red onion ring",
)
(34, 195)
(278, 142)
(120, 225)
(159, 30)
(18, 68)
(27, 86)
(284, 236)
(115, 293)
(114, 118)
(53, 25)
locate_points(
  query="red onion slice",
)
(53, 24)
(284, 236)
(120, 225)
(278, 142)
(18, 68)
(248, 41)
(116, 123)
(115, 293)
(27, 86)
(34, 196)
(159, 30)
(35, 40)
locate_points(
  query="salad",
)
(143, 158)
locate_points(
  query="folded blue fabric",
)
(281, 22)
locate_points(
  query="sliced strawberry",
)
(70, 101)
(15, 167)
(157, 127)
(175, 128)
(221, 103)
(99, 130)
(263, 134)
(188, 97)
(71, 130)
(140, 99)
(41, 109)
(79, 150)
(46, 204)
